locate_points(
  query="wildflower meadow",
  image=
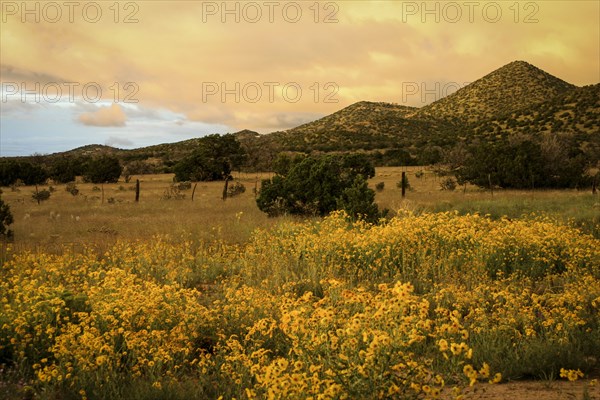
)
(420, 306)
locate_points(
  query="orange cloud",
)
(105, 116)
(171, 49)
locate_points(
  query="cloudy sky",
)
(135, 73)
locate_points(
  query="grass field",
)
(86, 219)
(207, 299)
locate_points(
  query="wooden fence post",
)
(137, 190)
(225, 187)
(194, 190)
(403, 184)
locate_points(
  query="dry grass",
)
(86, 219)
(578, 208)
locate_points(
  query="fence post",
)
(194, 190)
(403, 184)
(225, 187)
(137, 190)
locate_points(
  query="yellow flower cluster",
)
(424, 249)
(571, 374)
(326, 309)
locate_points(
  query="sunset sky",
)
(132, 74)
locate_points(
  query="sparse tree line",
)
(103, 169)
(525, 162)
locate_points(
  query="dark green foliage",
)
(66, 169)
(29, 173)
(41, 195)
(319, 185)
(6, 219)
(397, 158)
(549, 162)
(104, 169)
(359, 201)
(213, 160)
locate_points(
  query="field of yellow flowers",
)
(417, 307)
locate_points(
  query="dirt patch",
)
(529, 390)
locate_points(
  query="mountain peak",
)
(509, 88)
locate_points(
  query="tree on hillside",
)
(319, 185)
(213, 160)
(104, 169)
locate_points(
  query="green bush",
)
(105, 169)
(41, 195)
(213, 160)
(319, 185)
(6, 219)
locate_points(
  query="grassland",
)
(207, 299)
(86, 219)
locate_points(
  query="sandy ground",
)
(551, 390)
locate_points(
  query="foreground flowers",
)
(332, 309)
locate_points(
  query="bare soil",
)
(536, 390)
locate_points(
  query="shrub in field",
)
(319, 185)
(41, 195)
(6, 219)
(72, 188)
(380, 186)
(235, 189)
(448, 184)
